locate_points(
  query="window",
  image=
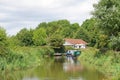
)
(79, 46)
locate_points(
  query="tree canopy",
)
(3, 37)
(107, 15)
(25, 37)
(39, 37)
(3, 42)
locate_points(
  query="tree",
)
(3, 37)
(52, 28)
(69, 31)
(56, 41)
(63, 23)
(115, 43)
(89, 24)
(91, 31)
(39, 37)
(3, 42)
(101, 41)
(13, 41)
(107, 15)
(42, 25)
(25, 37)
(82, 34)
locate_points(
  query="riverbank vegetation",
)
(107, 63)
(15, 55)
(23, 57)
(106, 56)
(26, 47)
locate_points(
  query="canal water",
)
(56, 68)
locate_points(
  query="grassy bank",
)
(23, 57)
(107, 63)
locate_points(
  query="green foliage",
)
(13, 41)
(43, 32)
(89, 25)
(73, 29)
(64, 23)
(3, 43)
(25, 37)
(56, 41)
(107, 63)
(47, 50)
(52, 28)
(82, 34)
(102, 41)
(62, 27)
(39, 37)
(42, 25)
(23, 57)
(88, 32)
(115, 43)
(68, 48)
(107, 14)
(70, 30)
(3, 37)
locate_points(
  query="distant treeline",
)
(53, 34)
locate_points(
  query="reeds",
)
(107, 63)
(23, 57)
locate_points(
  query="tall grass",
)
(23, 57)
(107, 63)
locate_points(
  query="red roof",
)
(75, 41)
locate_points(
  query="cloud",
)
(16, 14)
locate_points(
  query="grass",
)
(23, 57)
(107, 63)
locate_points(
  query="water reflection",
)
(57, 68)
(72, 65)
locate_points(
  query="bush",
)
(108, 63)
(23, 57)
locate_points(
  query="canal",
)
(57, 68)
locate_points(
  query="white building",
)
(75, 43)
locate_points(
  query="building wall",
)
(67, 44)
(83, 46)
(76, 46)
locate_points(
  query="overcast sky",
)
(17, 14)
